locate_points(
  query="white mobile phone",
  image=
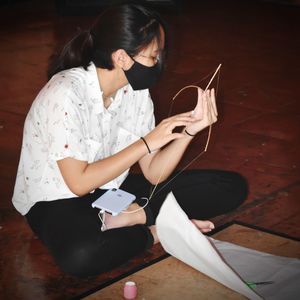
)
(114, 201)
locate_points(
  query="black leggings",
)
(70, 228)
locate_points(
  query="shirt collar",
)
(94, 92)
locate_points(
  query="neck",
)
(111, 80)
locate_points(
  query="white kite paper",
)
(183, 240)
(256, 266)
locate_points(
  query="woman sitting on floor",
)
(83, 133)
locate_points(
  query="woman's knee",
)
(80, 261)
(92, 256)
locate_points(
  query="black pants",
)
(70, 228)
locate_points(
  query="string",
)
(194, 84)
(208, 136)
(142, 207)
(210, 106)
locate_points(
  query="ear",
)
(121, 59)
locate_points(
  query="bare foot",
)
(125, 219)
(204, 226)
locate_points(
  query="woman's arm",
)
(157, 167)
(82, 177)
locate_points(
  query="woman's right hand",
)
(163, 133)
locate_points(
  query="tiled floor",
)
(258, 133)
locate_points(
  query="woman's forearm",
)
(166, 160)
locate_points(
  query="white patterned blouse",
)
(68, 119)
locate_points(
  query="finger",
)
(177, 135)
(206, 112)
(188, 114)
(179, 123)
(185, 114)
(181, 117)
(200, 103)
(167, 122)
(213, 102)
(198, 111)
(211, 113)
(211, 110)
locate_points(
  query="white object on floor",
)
(227, 263)
(256, 266)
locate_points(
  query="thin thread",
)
(208, 136)
(138, 209)
(194, 159)
(184, 168)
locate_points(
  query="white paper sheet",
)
(258, 266)
(180, 237)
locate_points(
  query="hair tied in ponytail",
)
(78, 52)
(128, 26)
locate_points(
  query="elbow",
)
(78, 190)
(79, 194)
(153, 179)
(153, 182)
(81, 187)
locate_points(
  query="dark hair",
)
(129, 27)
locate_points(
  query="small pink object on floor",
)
(130, 290)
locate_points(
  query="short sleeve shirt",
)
(68, 119)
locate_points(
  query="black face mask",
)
(141, 77)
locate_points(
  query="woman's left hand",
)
(205, 112)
